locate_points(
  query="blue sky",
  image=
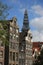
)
(35, 14)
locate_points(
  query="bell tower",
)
(25, 27)
(23, 34)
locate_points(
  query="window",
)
(10, 33)
(10, 45)
(10, 55)
(31, 46)
(13, 56)
(1, 54)
(11, 28)
(13, 36)
(26, 63)
(30, 62)
(0, 63)
(13, 45)
(16, 46)
(16, 56)
(23, 62)
(16, 30)
(28, 46)
(17, 37)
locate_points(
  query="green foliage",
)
(4, 32)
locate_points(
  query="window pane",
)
(10, 55)
(16, 46)
(11, 28)
(16, 56)
(17, 38)
(16, 30)
(13, 36)
(13, 46)
(13, 56)
(10, 45)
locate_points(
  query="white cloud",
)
(37, 36)
(37, 9)
(37, 23)
(38, 32)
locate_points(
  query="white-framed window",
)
(13, 36)
(17, 38)
(16, 35)
(16, 56)
(10, 33)
(16, 46)
(13, 56)
(17, 30)
(10, 28)
(29, 53)
(28, 46)
(10, 56)
(10, 44)
(13, 46)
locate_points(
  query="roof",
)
(37, 45)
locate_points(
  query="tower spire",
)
(25, 22)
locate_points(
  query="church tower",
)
(25, 27)
(24, 42)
